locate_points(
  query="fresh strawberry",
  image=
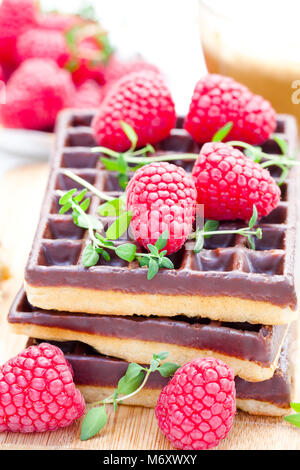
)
(144, 102)
(228, 184)
(218, 100)
(16, 16)
(44, 44)
(35, 93)
(88, 95)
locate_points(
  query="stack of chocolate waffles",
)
(227, 301)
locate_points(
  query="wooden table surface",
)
(21, 194)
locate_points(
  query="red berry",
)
(16, 16)
(35, 93)
(88, 62)
(57, 21)
(162, 197)
(117, 69)
(144, 102)
(37, 392)
(228, 184)
(44, 44)
(2, 74)
(195, 410)
(88, 95)
(218, 100)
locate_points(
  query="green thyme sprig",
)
(122, 160)
(211, 228)
(294, 418)
(119, 161)
(100, 245)
(129, 385)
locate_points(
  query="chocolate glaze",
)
(254, 343)
(94, 369)
(226, 266)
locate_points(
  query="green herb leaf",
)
(154, 363)
(293, 419)
(254, 217)
(166, 263)
(85, 204)
(65, 208)
(122, 164)
(152, 269)
(105, 255)
(89, 256)
(119, 227)
(223, 132)
(210, 226)
(66, 197)
(129, 385)
(199, 243)
(282, 144)
(92, 222)
(153, 250)
(130, 133)
(126, 251)
(110, 165)
(123, 180)
(251, 242)
(112, 208)
(295, 407)
(80, 196)
(94, 421)
(144, 261)
(167, 369)
(162, 240)
(133, 370)
(161, 356)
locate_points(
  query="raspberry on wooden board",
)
(195, 410)
(37, 392)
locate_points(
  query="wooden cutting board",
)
(21, 194)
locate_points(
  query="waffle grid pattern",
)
(59, 243)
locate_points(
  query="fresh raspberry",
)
(89, 62)
(144, 102)
(2, 74)
(117, 69)
(35, 93)
(57, 21)
(218, 100)
(44, 44)
(195, 410)
(229, 184)
(37, 392)
(161, 197)
(16, 16)
(88, 95)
